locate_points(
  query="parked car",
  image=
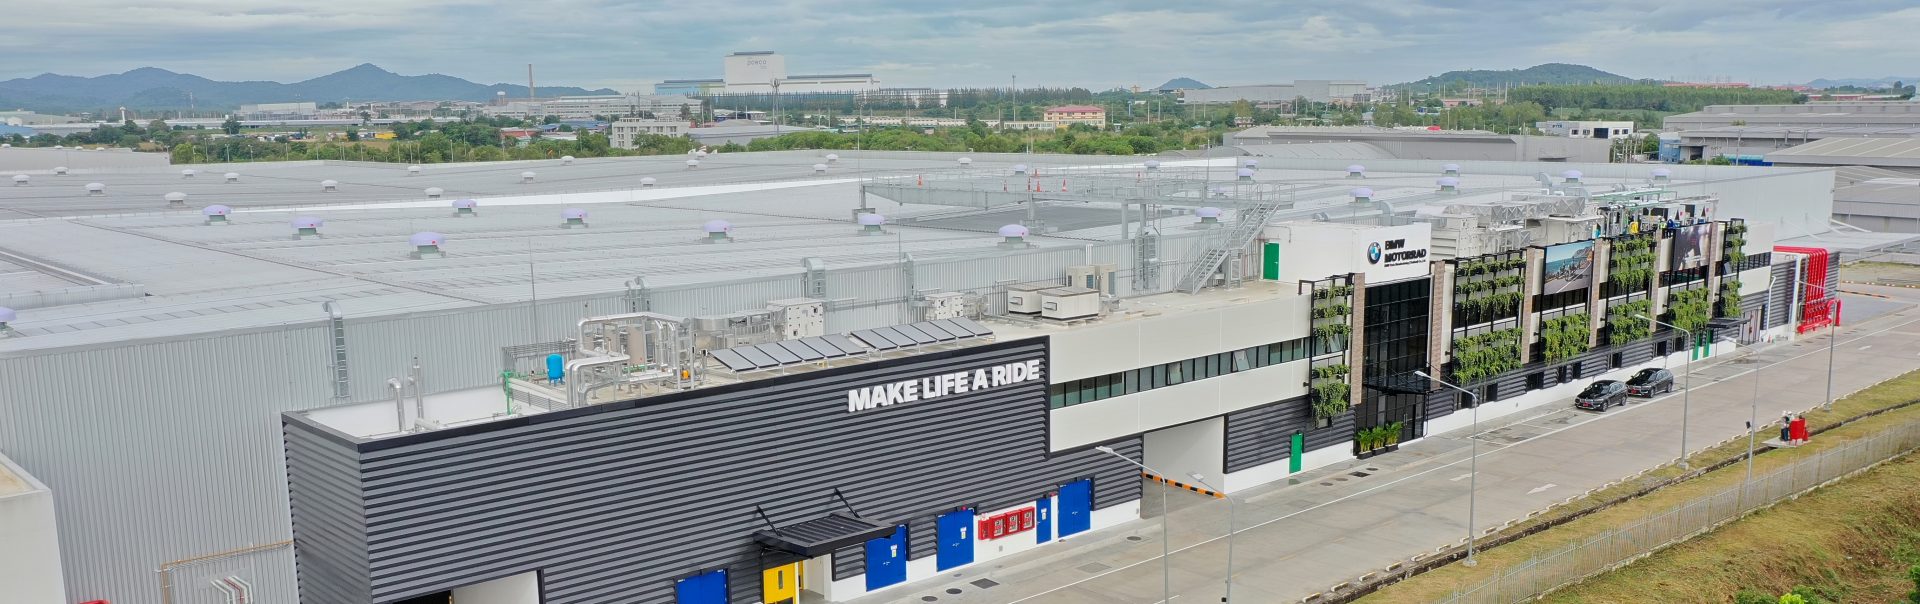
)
(1649, 382)
(1602, 394)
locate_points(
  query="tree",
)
(231, 126)
(366, 118)
(685, 112)
(353, 135)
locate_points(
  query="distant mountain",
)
(1886, 82)
(1550, 73)
(1183, 84)
(154, 88)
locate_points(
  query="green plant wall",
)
(1565, 337)
(1625, 322)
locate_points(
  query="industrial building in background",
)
(1316, 91)
(733, 377)
(765, 71)
(1748, 134)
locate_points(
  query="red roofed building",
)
(1061, 116)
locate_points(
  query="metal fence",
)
(1609, 549)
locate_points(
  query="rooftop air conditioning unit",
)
(799, 317)
(1070, 302)
(1097, 277)
(1024, 298)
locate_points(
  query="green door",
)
(1293, 450)
(1270, 262)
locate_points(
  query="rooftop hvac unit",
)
(1070, 302)
(714, 332)
(947, 305)
(799, 317)
(1097, 277)
(1024, 298)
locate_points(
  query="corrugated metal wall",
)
(614, 502)
(323, 479)
(1264, 434)
(1780, 292)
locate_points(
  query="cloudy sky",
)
(628, 44)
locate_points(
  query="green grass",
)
(1440, 583)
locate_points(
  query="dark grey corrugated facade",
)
(1264, 434)
(612, 503)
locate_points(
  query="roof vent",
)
(647, 181)
(1450, 170)
(20, 180)
(833, 157)
(189, 173)
(1209, 216)
(870, 224)
(575, 218)
(1019, 168)
(426, 244)
(566, 160)
(176, 199)
(1448, 184)
(718, 231)
(216, 214)
(6, 145)
(819, 168)
(233, 177)
(1660, 175)
(1356, 171)
(526, 178)
(1013, 236)
(62, 170)
(94, 188)
(1245, 174)
(307, 226)
(464, 207)
(1572, 176)
(1153, 164)
(329, 186)
(435, 192)
(1250, 163)
(413, 170)
(1362, 195)
(693, 163)
(966, 161)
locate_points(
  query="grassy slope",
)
(1851, 542)
(1440, 583)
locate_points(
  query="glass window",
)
(1130, 382)
(1057, 396)
(1177, 372)
(1071, 390)
(1159, 376)
(1102, 387)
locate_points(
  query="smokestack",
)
(530, 94)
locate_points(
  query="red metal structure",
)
(1822, 307)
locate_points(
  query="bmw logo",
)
(1373, 253)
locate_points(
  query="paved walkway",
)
(1333, 524)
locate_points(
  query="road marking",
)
(1389, 484)
(1541, 489)
(1866, 347)
(1461, 477)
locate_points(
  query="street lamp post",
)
(1686, 396)
(1833, 324)
(1166, 574)
(1231, 528)
(1473, 467)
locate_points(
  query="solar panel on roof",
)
(754, 356)
(874, 340)
(778, 352)
(938, 333)
(898, 339)
(806, 353)
(844, 344)
(971, 325)
(919, 337)
(953, 328)
(822, 347)
(733, 360)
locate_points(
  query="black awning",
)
(1398, 383)
(821, 536)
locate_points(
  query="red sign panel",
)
(1007, 523)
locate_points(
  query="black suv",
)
(1649, 382)
(1602, 394)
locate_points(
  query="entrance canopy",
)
(821, 536)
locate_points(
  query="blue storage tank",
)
(556, 369)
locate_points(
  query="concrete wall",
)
(523, 588)
(30, 557)
(1187, 449)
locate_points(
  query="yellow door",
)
(780, 584)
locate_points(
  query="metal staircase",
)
(1247, 225)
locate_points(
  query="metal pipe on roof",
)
(399, 404)
(419, 391)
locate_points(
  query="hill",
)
(1183, 84)
(1867, 83)
(1549, 73)
(154, 88)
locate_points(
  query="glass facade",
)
(1087, 390)
(1395, 347)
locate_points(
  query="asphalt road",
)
(1333, 524)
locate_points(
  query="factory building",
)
(1748, 133)
(765, 72)
(1317, 91)
(559, 381)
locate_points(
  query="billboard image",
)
(1690, 245)
(1569, 267)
